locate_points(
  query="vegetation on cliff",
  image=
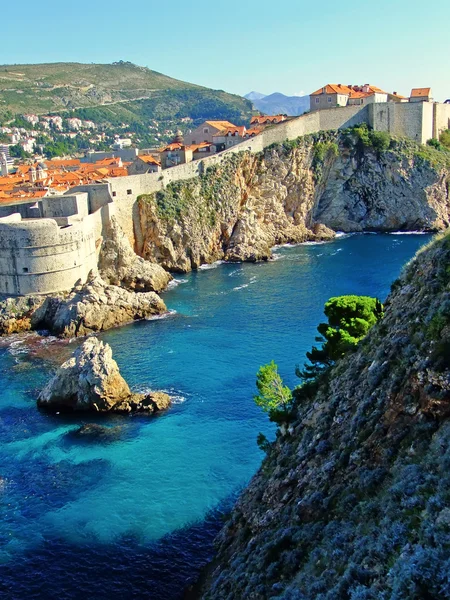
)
(353, 504)
(302, 189)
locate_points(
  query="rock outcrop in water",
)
(301, 190)
(93, 307)
(90, 381)
(355, 503)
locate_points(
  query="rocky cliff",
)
(297, 191)
(354, 504)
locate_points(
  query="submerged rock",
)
(94, 431)
(90, 381)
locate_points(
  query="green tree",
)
(274, 397)
(17, 151)
(349, 320)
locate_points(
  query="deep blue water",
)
(134, 516)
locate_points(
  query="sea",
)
(133, 511)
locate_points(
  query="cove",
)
(134, 515)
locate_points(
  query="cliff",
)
(353, 180)
(354, 503)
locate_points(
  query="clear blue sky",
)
(291, 46)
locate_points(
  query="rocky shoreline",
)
(89, 308)
(302, 190)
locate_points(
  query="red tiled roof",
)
(346, 90)
(420, 92)
(148, 159)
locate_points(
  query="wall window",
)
(114, 194)
(129, 192)
(329, 99)
(25, 269)
(205, 130)
(317, 100)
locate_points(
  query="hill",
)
(277, 103)
(353, 502)
(254, 96)
(122, 92)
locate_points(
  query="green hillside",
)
(119, 92)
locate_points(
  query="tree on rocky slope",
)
(349, 320)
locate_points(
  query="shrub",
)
(444, 138)
(380, 140)
(434, 143)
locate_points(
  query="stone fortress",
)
(48, 246)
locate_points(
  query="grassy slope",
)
(58, 86)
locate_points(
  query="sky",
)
(293, 46)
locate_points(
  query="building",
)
(28, 145)
(33, 119)
(144, 163)
(120, 143)
(395, 97)
(229, 137)
(202, 150)
(206, 131)
(334, 95)
(421, 95)
(4, 149)
(74, 123)
(267, 120)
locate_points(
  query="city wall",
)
(50, 255)
(39, 257)
(60, 244)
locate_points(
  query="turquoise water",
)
(134, 515)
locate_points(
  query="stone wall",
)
(403, 119)
(65, 206)
(39, 257)
(441, 119)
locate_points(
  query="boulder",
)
(97, 306)
(90, 381)
(89, 308)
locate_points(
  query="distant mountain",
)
(277, 103)
(118, 93)
(255, 96)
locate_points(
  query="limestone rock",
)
(97, 306)
(119, 265)
(248, 203)
(92, 307)
(16, 314)
(90, 381)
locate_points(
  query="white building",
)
(33, 119)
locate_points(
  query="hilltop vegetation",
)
(119, 92)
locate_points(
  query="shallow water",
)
(134, 515)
